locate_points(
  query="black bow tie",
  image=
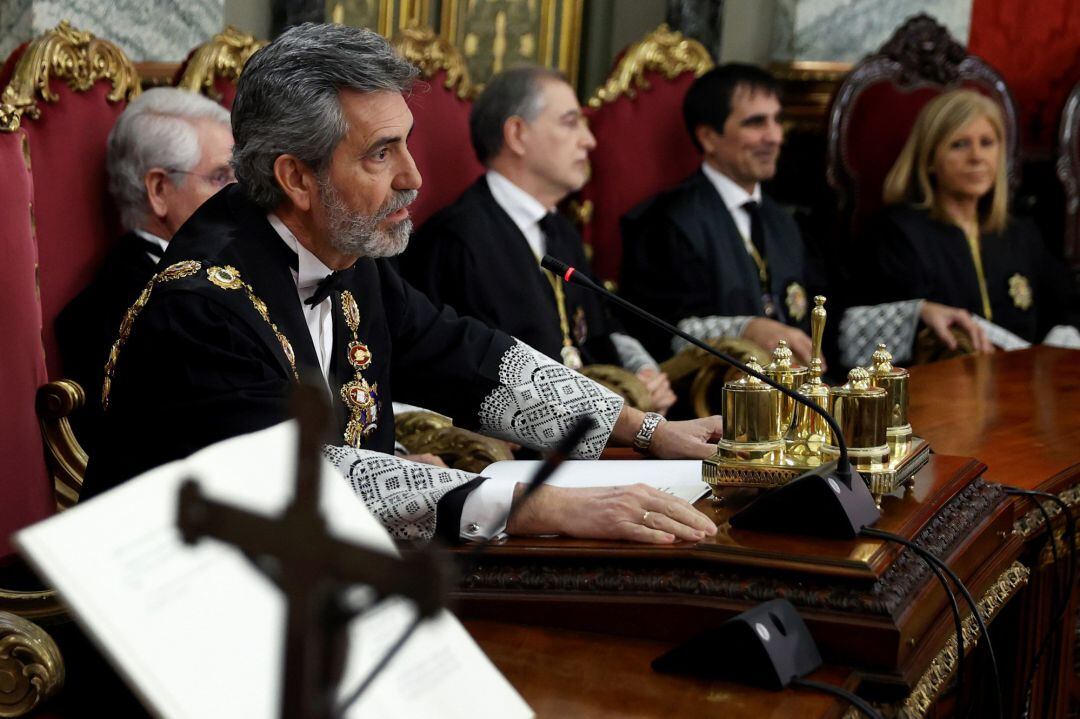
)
(336, 280)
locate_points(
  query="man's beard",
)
(357, 234)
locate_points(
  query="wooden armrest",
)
(30, 665)
(705, 374)
(430, 433)
(623, 383)
(65, 457)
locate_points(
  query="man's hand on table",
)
(766, 333)
(636, 513)
(942, 318)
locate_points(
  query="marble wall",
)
(847, 30)
(163, 30)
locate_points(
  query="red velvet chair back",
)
(440, 142)
(26, 490)
(875, 108)
(67, 110)
(214, 67)
(642, 145)
(1068, 169)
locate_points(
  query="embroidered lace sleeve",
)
(632, 354)
(704, 328)
(862, 328)
(538, 400)
(402, 494)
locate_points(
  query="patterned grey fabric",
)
(704, 328)
(632, 354)
(862, 328)
(403, 495)
(538, 400)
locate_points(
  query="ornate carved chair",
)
(642, 145)
(875, 107)
(214, 67)
(440, 142)
(1068, 170)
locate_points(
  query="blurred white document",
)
(680, 477)
(199, 631)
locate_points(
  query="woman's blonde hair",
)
(910, 179)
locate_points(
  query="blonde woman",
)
(947, 235)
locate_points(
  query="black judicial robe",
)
(87, 326)
(911, 255)
(683, 257)
(472, 257)
(201, 364)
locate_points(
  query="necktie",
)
(152, 248)
(757, 230)
(549, 225)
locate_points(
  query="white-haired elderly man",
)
(286, 273)
(168, 153)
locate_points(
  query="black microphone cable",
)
(853, 698)
(932, 558)
(571, 274)
(1063, 601)
(552, 461)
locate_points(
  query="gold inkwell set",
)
(769, 439)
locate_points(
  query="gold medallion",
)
(227, 277)
(178, 270)
(1020, 291)
(362, 400)
(796, 301)
(351, 310)
(286, 346)
(359, 355)
(571, 357)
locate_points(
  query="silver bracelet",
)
(643, 438)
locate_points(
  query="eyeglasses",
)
(218, 179)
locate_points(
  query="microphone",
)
(858, 506)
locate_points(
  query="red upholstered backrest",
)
(25, 490)
(440, 145)
(224, 87)
(76, 222)
(881, 118)
(642, 149)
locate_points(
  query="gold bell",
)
(894, 380)
(785, 372)
(751, 419)
(809, 431)
(862, 411)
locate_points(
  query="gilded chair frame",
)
(222, 56)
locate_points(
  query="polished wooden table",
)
(868, 605)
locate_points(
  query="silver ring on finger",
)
(645, 519)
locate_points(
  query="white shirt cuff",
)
(486, 509)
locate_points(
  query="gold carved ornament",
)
(431, 53)
(64, 53)
(662, 50)
(31, 667)
(222, 56)
(64, 456)
(424, 432)
(937, 675)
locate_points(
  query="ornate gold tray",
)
(779, 468)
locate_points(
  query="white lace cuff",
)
(403, 495)
(863, 328)
(539, 400)
(1065, 336)
(705, 328)
(1001, 337)
(632, 354)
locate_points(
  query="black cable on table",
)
(855, 700)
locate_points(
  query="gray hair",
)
(154, 131)
(287, 99)
(517, 92)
